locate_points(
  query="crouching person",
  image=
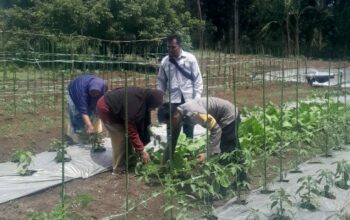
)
(221, 118)
(115, 112)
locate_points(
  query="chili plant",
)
(308, 192)
(62, 155)
(55, 145)
(342, 171)
(280, 200)
(23, 159)
(254, 214)
(327, 178)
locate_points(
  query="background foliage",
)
(317, 28)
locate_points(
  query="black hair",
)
(174, 37)
(164, 112)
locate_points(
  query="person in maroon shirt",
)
(114, 111)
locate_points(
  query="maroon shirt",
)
(111, 109)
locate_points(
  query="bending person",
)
(220, 116)
(114, 111)
(84, 91)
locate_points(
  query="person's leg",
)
(230, 142)
(175, 132)
(75, 125)
(188, 130)
(117, 135)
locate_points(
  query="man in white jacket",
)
(180, 77)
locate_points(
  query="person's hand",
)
(90, 129)
(145, 157)
(201, 157)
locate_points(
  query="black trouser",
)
(187, 128)
(229, 143)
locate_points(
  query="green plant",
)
(62, 155)
(254, 214)
(342, 171)
(23, 159)
(279, 200)
(189, 184)
(308, 192)
(96, 143)
(55, 145)
(71, 209)
(345, 216)
(327, 178)
(15, 156)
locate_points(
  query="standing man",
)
(180, 76)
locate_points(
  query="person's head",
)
(94, 93)
(174, 45)
(154, 98)
(97, 87)
(165, 112)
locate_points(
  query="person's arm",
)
(198, 81)
(208, 121)
(161, 78)
(81, 104)
(137, 143)
(88, 124)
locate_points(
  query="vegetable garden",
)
(285, 122)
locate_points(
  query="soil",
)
(108, 190)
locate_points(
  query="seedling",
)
(254, 214)
(281, 199)
(308, 192)
(55, 145)
(326, 177)
(23, 159)
(71, 210)
(343, 171)
(96, 142)
(16, 155)
(62, 155)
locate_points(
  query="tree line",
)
(318, 28)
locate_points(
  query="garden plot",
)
(84, 164)
(258, 206)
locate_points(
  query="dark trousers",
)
(229, 143)
(186, 128)
(229, 137)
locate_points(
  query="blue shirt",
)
(79, 90)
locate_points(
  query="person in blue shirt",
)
(84, 91)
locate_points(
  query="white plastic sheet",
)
(329, 208)
(48, 173)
